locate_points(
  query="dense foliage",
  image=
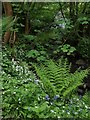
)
(27, 96)
(45, 60)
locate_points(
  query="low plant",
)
(68, 49)
(36, 55)
(65, 49)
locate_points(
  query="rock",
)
(80, 62)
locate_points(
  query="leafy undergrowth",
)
(24, 96)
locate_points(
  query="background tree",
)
(8, 12)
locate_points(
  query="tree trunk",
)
(72, 11)
(8, 12)
(27, 25)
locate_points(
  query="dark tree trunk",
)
(27, 25)
(8, 12)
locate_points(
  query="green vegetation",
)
(57, 78)
(45, 60)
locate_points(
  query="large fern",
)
(57, 79)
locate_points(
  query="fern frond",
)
(75, 80)
(86, 98)
(57, 79)
(47, 85)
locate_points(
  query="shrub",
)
(84, 47)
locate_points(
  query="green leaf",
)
(72, 49)
(41, 58)
(43, 52)
(85, 22)
(32, 53)
(66, 46)
(64, 49)
(30, 37)
(25, 107)
(43, 107)
(55, 52)
(29, 116)
(68, 53)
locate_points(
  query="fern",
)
(57, 79)
(86, 98)
(47, 86)
(75, 80)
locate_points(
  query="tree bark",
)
(8, 12)
(27, 25)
